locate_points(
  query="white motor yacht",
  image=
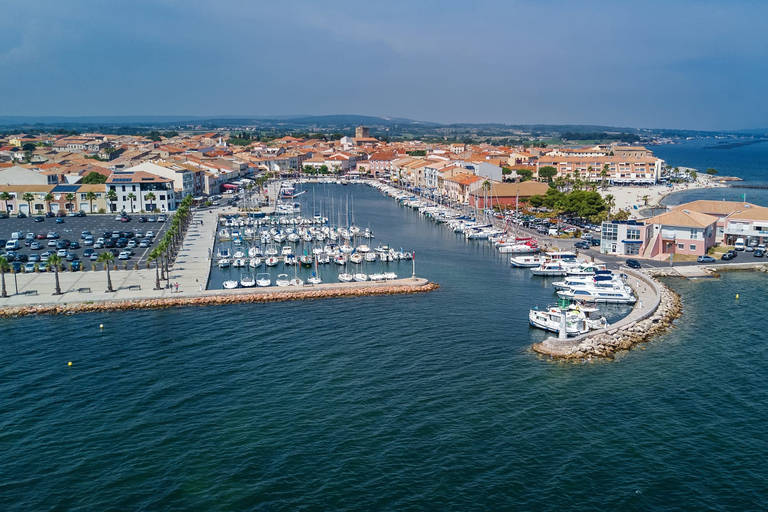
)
(550, 268)
(224, 263)
(356, 258)
(231, 284)
(255, 262)
(272, 261)
(314, 279)
(597, 293)
(360, 277)
(363, 249)
(551, 318)
(238, 263)
(263, 279)
(345, 277)
(247, 281)
(282, 280)
(296, 282)
(527, 260)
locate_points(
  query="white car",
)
(124, 255)
(149, 234)
(161, 218)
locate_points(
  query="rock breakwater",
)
(216, 299)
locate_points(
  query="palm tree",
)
(91, 197)
(28, 198)
(604, 174)
(149, 198)
(645, 200)
(610, 202)
(107, 258)
(132, 197)
(154, 255)
(54, 260)
(4, 267)
(70, 199)
(112, 196)
(5, 196)
(48, 199)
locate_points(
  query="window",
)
(125, 198)
(693, 247)
(123, 188)
(694, 233)
(633, 234)
(681, 247)
(632, 249)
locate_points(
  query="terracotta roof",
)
(751, 213)
(684, 219)
(714, 207)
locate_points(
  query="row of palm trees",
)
(163, 254)
(91, 196)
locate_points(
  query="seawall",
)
(650, 317)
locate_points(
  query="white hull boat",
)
(230, 284)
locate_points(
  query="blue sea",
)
(419, 402)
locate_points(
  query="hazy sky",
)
(676, 64)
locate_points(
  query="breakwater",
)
(221, 298)
(645, 322)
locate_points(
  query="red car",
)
(41, 236)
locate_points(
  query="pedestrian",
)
(177, 287)
(201, 222)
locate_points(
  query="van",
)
(12, 245)
(552, 231)
(739, 245)
(17, 235)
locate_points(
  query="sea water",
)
(419, 402)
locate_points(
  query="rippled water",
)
(416, 402)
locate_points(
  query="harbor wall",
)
(406, 286)
(652, 315)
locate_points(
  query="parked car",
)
(59, 221)
(75, 266)
(87, 253)
(39, 219)
(80, 214)
(49, 214)
(582, 245)
(74, 245)
(596, 242)
(34, 258)
(21, 215)
(72, 256)
(144, 243)
(124, 256)
(633, 263)
(43, 266)
(142, 219)
(727, 256)
(35, 246)
(30, 267)
(161, 218)
(61, 213)
(705, 259)
(94, 256)
(759, 253)
(126, 218)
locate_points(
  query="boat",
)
(247, 281)
(263, 279)
(323, 259)
(230, 284)
(363, 249)
(370, 257)
(340, 259)
(224, 263)
(238, 263)
(345, 277)
(587, 269)
(356, 258)
(526, 260)
(289, 260)
(239, 254)
(597, 293)
(282, 280)
(306, 261)
(551, 319)
(222, 253)
(287, 250)
(390, 275)
(550, 268)
(296, 282)
(377, 277)
(255, 262)
(315, 279)
(360, 277)
(272, 261)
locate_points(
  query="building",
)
(362, 132)
(141, 192)
(749, 223)
(680, 232)
(624, 238)
(506, 195)
(627, 171)
(720, 209)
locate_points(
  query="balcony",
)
(668, 235)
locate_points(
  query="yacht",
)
(247, 281)
(340, 259)
(306, 261)
(345, 277)
(550, 268)
(263, 279)
(255, 262)
(272, 261)
(527, 260)
(356, 258)
(360, 277)
(282, 280)
(370, 257)
(315, 279)
(551, 319)
(287, 250)
(390, 275)
(289, 260)
(363, 249)
(230, 284)
(239, 254)
(597, 293)
(296, 282)
(238, 263)
(224, 263)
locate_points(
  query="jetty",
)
(656, 308)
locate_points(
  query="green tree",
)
(149, 198)
(29, 146)
(4, 267)
(610, 202)
(646, 198)
(91, 197)
(711, 171)
(132, 197)
(5, 196)
(154, 255)
(28, 198)
(112, 197)
(107, 258)
(604, 174)
(547, 172)
(525, 174)
(94, 178)
(70, 199)
(54, 260)
(48, 199)
(694, 175)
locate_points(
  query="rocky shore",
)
(215, 299)
(607, 342)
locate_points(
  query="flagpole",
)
(413, 261)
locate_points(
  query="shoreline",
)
(403, 287)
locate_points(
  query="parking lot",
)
(118, 236)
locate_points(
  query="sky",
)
(651, 64)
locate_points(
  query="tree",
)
(604, 174)
(645, 200)
(112, 196)
(711, 171)
(610, 202)
(525, 174)
(29, 146)
(694, 175)
(107, 258)
(547, 172)
(48, 199)
(91, 197)
(94, 178)
(4, 267)
(54, 261)
(5, 196)
(70, 199)
(154, 255)
(132, 197)
(28, 198)
(151, 197)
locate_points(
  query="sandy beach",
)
(627, 197)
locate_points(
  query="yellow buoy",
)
(737, 295)
(101, 326)
(69, 363)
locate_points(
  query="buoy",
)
(69, 363)
(737, 295)
(101, 326)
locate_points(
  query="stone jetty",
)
(652, 315)
(406, 286)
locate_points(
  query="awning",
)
(230, 186)
(631, 241)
